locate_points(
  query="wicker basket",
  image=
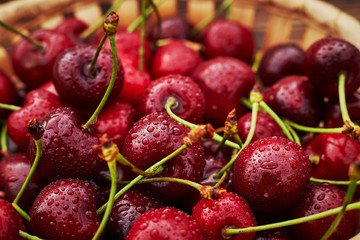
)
(272, 21)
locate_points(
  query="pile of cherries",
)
(283, 148)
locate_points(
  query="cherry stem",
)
(293, 133)
(25, 235)
(22, 213)
(342, 98)
(333, 182)
(4, 148)
(93, 61)
(257, 61)
(110, 203)
(221, 144)
(98, 24)
(204, 22)
(172, 102)
(238, 139)
(139, 177)
(222, 179)
(92, 119)
(9, 107)
(142, 35)
(158, 18)
(138, 20)
(123, 161)
(36, 43)
(312, 129)
(228, 232)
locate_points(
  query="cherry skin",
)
(293, 98)
(165, 223)
(210, 147)
(189, 97)
(271, 173)
(67, 148)
(229, 211)
(224, 81)
(65, 209)
(50, 87)
(328, 57)
(154, 137)
(81, 88)
(224, 37)
(13, 173)
(280, 61)
(174, 58)
(8, 94)
(174, 27)
(127, 209)
(10, 222)
(33, 66)
(273, 234)
(336, 151)
(318, 198)
(266, 126)
(72, 28)
(36, 104)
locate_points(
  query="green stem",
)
(100, 22)
(93, 61)
(138, 178)
(333, 182)
(25, 235)
(4, 147)
(142, 35)
(36, 43)
(227, 166)
(229, 232)
(170, 179)
(238, 140)
(32, 170)
(137, 21)
(255, 109)
(112, 168)
(22, 213)
(123, 161)
(221, 144)
(312, 129)
(293, 133)
(203, 23)
(257, 61)
(342, 99)
(267, 109)
(111, 84)
(9, 107)
(246, 102)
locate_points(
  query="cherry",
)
(271, 173)
(229, 211)
(174, 58)
(72, 28)
(65, 209)
(293, 98)
(318, 198)
(67, 149)
(79, 87)
(224, 37)
(116, 120)
(50, 87)
(174, 27)
(10, 222)
(266, 126)
(13, 172)
(336, 152)
(34, 66)
(328, 57)
(165, 223)
(127, 209)
(8, 94)
(36, 104)
(189, 97)
(210, 147)
(280, 61)
(154, 137)
(273, 234)
(224, 81)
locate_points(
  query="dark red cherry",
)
(318, 198)
(154, 137)
(229, 211)
(72, 28)
(67, 148)
(165, 223)
(189, 97)
(224, 37)
(116, 120)
(174, 27)
(33, 66)
(273, 234)
(266, 126)
(271, 173)
(10, 222)
(336, 152)
(36, 104)
(174, 58)
(13, 173)
(81, 88)
(224, 81)
(328, 57)
(210, 147)
(292, 97)
(65, 209)
(8, 94)
(280, 61)
(127, 209)
(50, 87)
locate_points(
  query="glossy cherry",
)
(8, 94)
(72, 28)
(10, 222)
(189, 97)
(174, 27)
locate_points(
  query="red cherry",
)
(72, 28)
(8, 94)
(10, 222)
(174, 27)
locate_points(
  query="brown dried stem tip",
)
(209, 192)
(111, 23)
(107, 149)
(255, 94)
(200, 133)
(231, 123)
(351, 130)
(34, 129)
